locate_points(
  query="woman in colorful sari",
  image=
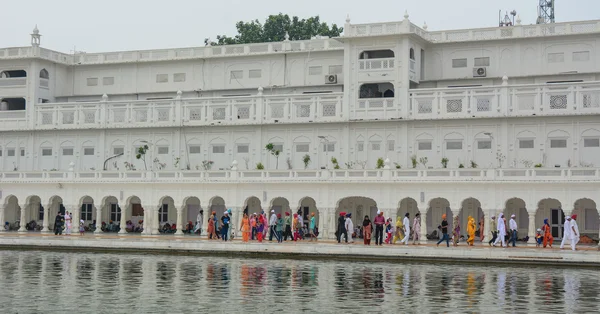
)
(455, 231)
(67, 223)
(471, 231)
(481, 228)
(416, 228)
(211, 228)
(399, 234)
(548, 239)
(367, 230)
(245, 228)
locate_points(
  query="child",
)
(538, 238)
(81, 227)
(388, 231)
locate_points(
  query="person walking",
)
(225, 226)
(398, 231)
(58, 224)
(68, 224)
(501, 231)
(253, 226)
(416, 228)
(288, 227)
(379, 222)
(481, 228)
(349, 228)
(81, 227)
(455, 231)
(444, 226)
(406, 223)
(548, 238)
(341, 228)
(279, 228)
(470, 231)
(566, 231)
(575, 232)
(311, 227)
(245, 228)
(273, 226)
(494, 228)
(367, 230)
(199, 222)
(512, 225)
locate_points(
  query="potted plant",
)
(380, 163)
(141, 154)
(461, 166)
(260, 166)
(207, 164)
(445, 162)
(349, 165)
(414, 161)
(538, 166)
(473, 164)
(397, 165)
(275, 152)
(306, 160)
(423, 161)
(335, 163)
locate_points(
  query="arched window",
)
(44, 74)
(412, 54)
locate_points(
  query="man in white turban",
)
(512, 225)
(501, 231)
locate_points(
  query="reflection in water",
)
(91, 283)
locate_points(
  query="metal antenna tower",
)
(546, 12)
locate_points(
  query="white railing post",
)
(178, 109)
(259, 106)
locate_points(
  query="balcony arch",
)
(411, 54)
(44, 74)
(376, 54)
(376, 90)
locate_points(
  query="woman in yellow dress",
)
(245, 228)
(471, 231)
(399, 234)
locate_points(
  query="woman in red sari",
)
(367, 230)
(548, 239)
(245, 228)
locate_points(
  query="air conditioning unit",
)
(480, 72)
(331, 79)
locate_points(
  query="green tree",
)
(274, 29)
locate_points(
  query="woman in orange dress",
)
(211, 228)
(245, 228)
(548, 239)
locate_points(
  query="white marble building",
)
(467, 122)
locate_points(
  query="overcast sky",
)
(110, 25)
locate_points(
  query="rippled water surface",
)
(43, 282)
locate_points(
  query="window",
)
(556, 57)
(218, 149)
(86, 212)
(44, 74)
(163, 213)
(67, 152)
(179, 77)
(46, 152)
(108, 81)
(236, 75)
(302, 148)
(390, 145)
(336, 69)
(452, 145)
(243, 148)
(375, 145)
(581, 56)
(162, 78)
(425, 145)
(329, 147)
(195, 149)
(118, 150)
(92, 81)
(459, 63)
(163, 150)
(11, 152)
(484, 144)
(115, 212)
(89, 151)
(255, 73)
(22, 152)
(482, 62)
(315, 70)
(558, 143)
(526, 143)
(360, 147)
(591, 142)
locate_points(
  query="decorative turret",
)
(35, 37)
(406, 14)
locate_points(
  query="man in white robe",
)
(199, 222)
(574, 232)
(512, 226)
(501, 231)
(567, 232)
(406, 223)
(349, 228)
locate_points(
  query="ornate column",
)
(2, 218)
(331, 223)
(423, 235)
(531, 229)
(75, 214)
(148, 218)
(45, 221)
(99, 220)
(123, 221)
(23, 217)
(179, 231)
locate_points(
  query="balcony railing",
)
(376, 64)
(13, 82)
(348, 175)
